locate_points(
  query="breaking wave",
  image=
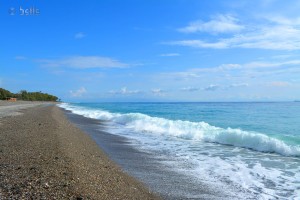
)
(187, 130)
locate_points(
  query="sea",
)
(250, 150)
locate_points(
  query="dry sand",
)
(14, 108)
(44, 156)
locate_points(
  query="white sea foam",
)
(190, 130)
(239, 170)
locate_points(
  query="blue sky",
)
(130, 50)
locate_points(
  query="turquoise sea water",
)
(252, 149)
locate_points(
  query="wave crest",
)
(200, 131)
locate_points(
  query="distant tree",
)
(24, 95)
(28, 96)
(5, 94)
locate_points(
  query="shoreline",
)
(148, 167)
(44, 155)
(143, 140)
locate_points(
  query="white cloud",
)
(83, 62)
(235, 71)
(182, 75)
(275, 37)
(230, 66)
(200, 44)
(277, 19)
(79, 35)
(211, 87)
(169, 54)
(238, 85)
(78, 93)
(214, 87)
(246, 66)
(125, 91)
(271, 64)
(218, 24)
(158, 92)
(275, 33)
(190, 89)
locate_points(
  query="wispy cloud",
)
(211, 87)
(214, 87)
(233, 75)
(279, 84)
(83, 62)
(255, 65)
(200, 44)
(283, 56)
(78, 93)
(169, 54)
(275, 33)
(189, 74)
(79, 35)
(218, 24)
(190, 89)
(158, 92)
(234, 85)
(271, 64)
(125, 91)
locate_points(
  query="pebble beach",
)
(44, 156)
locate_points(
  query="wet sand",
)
(44, 156)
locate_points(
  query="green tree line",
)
(27, 96)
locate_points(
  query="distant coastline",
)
(27, 96)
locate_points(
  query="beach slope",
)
(44, 156)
